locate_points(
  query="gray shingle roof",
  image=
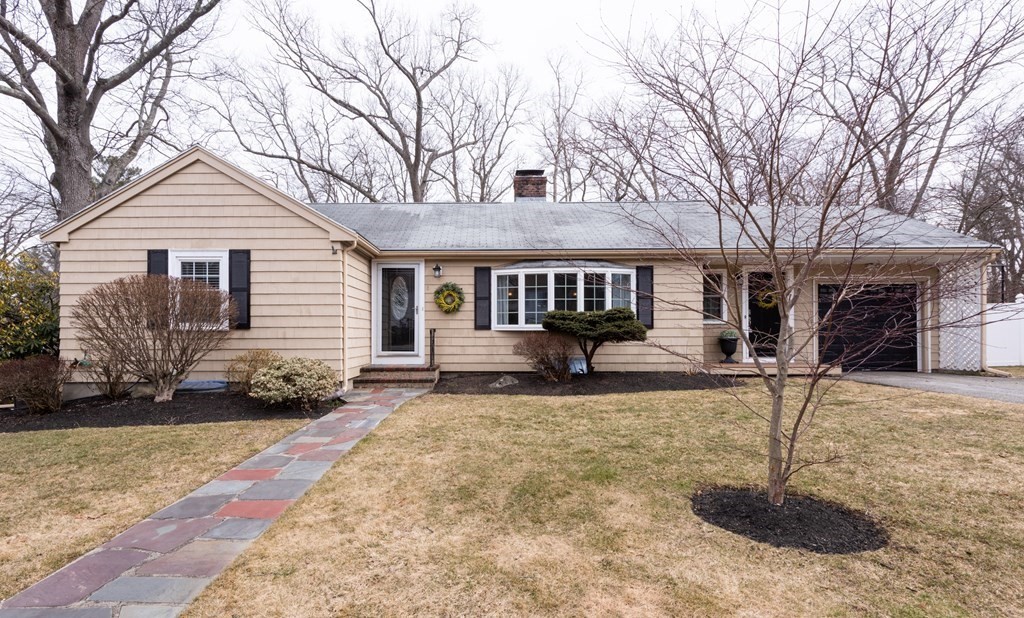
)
(547, 226)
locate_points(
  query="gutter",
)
(347, 247)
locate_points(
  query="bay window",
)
(507, 298)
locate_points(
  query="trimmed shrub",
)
(38, 381)
(302, 381)
(547, 354)
(243, 367)
(596, 328)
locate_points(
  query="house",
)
(353, 284)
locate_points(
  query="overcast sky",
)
(523, 33)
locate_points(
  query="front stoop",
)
(398, 376)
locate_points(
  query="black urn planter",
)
(728, 348)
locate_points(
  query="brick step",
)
(389, 379)
(397, 376)
(400, 375)
(424, 385)
(392, 368)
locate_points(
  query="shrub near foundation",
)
(38, 381)
(244, 367)
(547, 354)
(301, 381)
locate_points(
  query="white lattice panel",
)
(960, 318)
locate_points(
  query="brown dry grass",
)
(67, 491)
(494, 505)
(1017, 372)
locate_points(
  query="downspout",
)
(347, 246)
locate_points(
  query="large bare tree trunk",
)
(126, 48)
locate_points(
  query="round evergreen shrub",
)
(302, 381)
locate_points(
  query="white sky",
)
(523, 33)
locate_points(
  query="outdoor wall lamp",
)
(437, 271)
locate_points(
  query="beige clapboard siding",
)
(358, 344)
(459, 347)
(295, 293)
(807, 311)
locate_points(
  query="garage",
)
(873, 328)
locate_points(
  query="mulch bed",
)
(802, 522)
(185, 408)
(595, 384)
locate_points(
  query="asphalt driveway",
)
(998, 389)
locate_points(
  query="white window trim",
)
(550, 272)
(176, 256)
(725, 296)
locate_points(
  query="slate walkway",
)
(156, 567)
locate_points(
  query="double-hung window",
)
(203, 266)
(209, 267)
(524, 294)
(714, 297)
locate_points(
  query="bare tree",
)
(156, 328)
(374, 122)
(936, 65)
(623, 139)
(25, 210)
(562, 133)
(100, 84)
(485, 115)
(782, 155)
(988, 194)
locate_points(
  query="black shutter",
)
(238, 284)
(156, 262)
(645, 295)
(482, 297)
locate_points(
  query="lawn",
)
(498, 505)
(67, 491)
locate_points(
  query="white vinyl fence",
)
(1004, 333)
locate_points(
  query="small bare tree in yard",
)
(781, 158)
(157, 327)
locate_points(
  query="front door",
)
(397, 313)
(763, 318)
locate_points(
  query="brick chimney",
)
(530, 186)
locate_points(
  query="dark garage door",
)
(875, 330)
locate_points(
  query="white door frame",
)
(745, 311)
(378, 356)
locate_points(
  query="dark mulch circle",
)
(185, 408)
(595, 384)
(802, 522)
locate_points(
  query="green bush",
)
(38, 381)
(29, 321)
(596, 328)
(302, 381)
(243, 367)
